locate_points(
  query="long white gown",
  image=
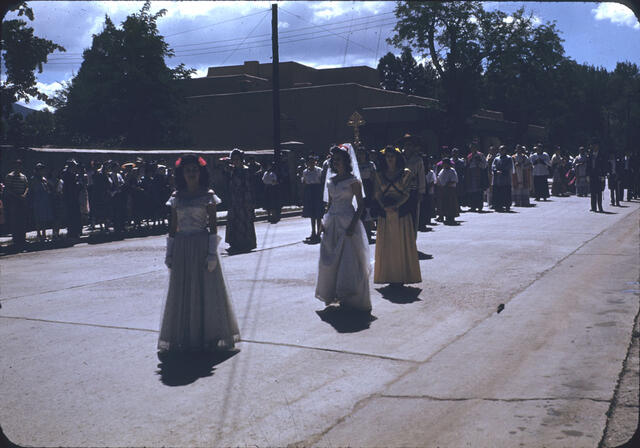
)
(344, 267)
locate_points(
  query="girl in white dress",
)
(197, 315)
(344, 268)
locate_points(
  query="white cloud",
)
(331, 9)
(283, 25)
(201, 72)
(49, 89)
(616, 13)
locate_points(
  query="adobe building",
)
(232, 107)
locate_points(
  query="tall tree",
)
(623, 111)
(22, 53)
(404, 74)
(449, 35)
(521, 58)
(124, 91)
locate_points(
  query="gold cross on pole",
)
(355, 121)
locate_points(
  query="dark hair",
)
(382, 162)
(347, 159)
(190, 159)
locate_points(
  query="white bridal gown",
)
(344, 268)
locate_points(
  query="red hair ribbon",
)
(178, 162)
(201, 162)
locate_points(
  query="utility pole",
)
(275, 80)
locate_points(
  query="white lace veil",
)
(348, 148)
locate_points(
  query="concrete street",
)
(437, 367)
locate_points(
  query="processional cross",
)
(355, 121)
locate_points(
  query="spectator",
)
(42, 202)
(271, 194)
(16, 188)
(241, 233)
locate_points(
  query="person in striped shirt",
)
(15, 199)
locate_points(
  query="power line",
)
(319, 26)
(291, 34)
(218, 23)
(286, 32)
(250, 32)
(253, 45)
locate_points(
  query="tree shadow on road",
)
(400, 294)
(346, 320)
(180, 369)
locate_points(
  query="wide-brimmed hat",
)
(128, 165)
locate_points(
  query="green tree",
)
(623, 107)
(22, 53)
(404, 74)
(449, 35)
(124, 92)
(40, 128)
(520, 61)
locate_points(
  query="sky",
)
(320, 33)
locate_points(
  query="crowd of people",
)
(112, 198)
(109, 197)
(354, 198)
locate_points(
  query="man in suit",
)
(596, 170)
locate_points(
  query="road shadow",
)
(346, 320)
(423, 256)
(606, 212)
(453, 223)
(5, 442)
(400, 294)
(180, 369)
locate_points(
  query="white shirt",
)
(540, 169)
(431, 181)
(312, 176)
(269, 178)
(447, 175)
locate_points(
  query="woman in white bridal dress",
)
(197, 316)
(344, 266)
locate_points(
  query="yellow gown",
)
(396, 259)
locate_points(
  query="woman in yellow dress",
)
(396, 260)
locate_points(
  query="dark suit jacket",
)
(598, 169)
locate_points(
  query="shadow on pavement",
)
(5, 442)
(423, 256)
(180, 369)
(346, 320)
(400, 294)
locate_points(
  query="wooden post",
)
(275, 83)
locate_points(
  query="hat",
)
(72, 162)
(408, 138)
(40, 165)
(128, 165)
(236, 152)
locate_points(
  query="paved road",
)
(437, 367)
